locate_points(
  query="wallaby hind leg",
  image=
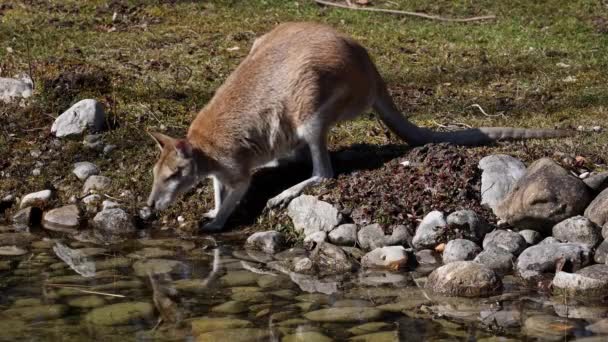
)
(322, 169)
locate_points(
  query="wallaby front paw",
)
(210, 214)
(281, 200)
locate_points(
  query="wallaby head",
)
(175, 172)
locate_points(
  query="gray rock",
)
(427, 257)
(430, 231)
(236, 335)
(206, 324)
(93, 141)
(310, 215)
(591, 281)
(500, 173)
(311, 241)
(341, 315)
(114, 221)
(91, 203)
(120, 314)
(510, 241)
(372, 236)
(532, 237)
(38, 199)
(472, 226)
(109, 148)
(97, 183)
(548, 240)
(64, 219)
(546, 195)
(330, 259)
(543, 327)
(597, 182)
(597, 211)
(464, 279)
(599, 327)
(107, 204)
(390, 257)
(37, 313)
(601, 253)
(344, 235)
(578, 229)
(158, 266)
(83, 170)
(145, 213)
(539, 259)
(460, 250)
(605, 231)
(303, 265)
(85, 114)
(269, 242)
(12, 89)
(28, 216)
(12, 251)
(498, 259)
(17, 239)
(506, 319)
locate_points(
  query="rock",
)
(578, 229)
(500, 173)
(17, 239)
(158, 266)
(85, 114)
(384, 336)
(370, 327)
(109, 148)
(120, 314)
(303, 265)
(546, 327)
(83, 170)
(548, 240)
(532, 237)
(464, 279)
(511, 242)
(15, 89)
(231, 307)
(114, 221)
(372, 236)
(605, 231)
(207, 324)
(497, 259)
(466, 221)
(311, 241)
(27, 302)
(145, 213)
(390, 257)
(96, 183)
(305, 336)
(93, 141)
(28, 216)
(601, 253)
(331, 259)
(107, 204)
(344, 235)
(597, 211)
(310, 215)
(235, 335)
(37, 313)
(151, 252)
(270, 242)
(341, 315)
(598, 182)
(11, 251)
(591, 281)
(239, 278)
(504, 319)
(546, 195)
(459, 250)
(427, 257)
(542, 258)
(64, 219)
(430, 231)
(87, 302)
(38, 199)
(92, 202)
(599, 327)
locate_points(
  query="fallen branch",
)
(412, 14)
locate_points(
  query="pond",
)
(212, 290)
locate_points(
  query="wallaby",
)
(297, 81)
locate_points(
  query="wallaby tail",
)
(415, 135)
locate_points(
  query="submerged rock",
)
(235, 335)
(85, 114)
(143, 268)
(464, 279)
(120, 314)
(269, 242)
(37, 313)
(12, 251)
(310, 215)
(330, 259)
(500, 173)
(459, 250)
(578, 229)
(430, 231)
(305, 336)
(86, 302)
(390, 257)
(64, 219)
(38, 199)
(511, 242)
(231, 307)
(344, 235)
(546, 195)
(543, 258)
(207, 324)
(546, 327)
(589, 281)
(340, 315)
(597, 211)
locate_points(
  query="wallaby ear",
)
(183, 148)
(161, 139)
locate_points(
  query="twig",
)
(79, 289)
(475, 105)
(413, 14)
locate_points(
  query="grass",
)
(158, 62)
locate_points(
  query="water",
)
(217, 291)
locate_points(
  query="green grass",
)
(161, 61)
